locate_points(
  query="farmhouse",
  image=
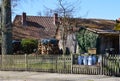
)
(33, 27)
(91, 33)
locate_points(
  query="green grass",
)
(37, 65)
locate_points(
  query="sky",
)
(99, 9)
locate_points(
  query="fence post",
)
(118, 64)
(2, 61)
(26, 62)
(101, 64)
(71, 63)
(56, 63)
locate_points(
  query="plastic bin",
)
(94, 60)
(80, 60)
(90, 60)
(85, 60)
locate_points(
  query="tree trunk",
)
(6, 27)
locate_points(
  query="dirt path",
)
(39, 76)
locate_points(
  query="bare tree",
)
(66, 11)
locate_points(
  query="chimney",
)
(55, 18)
(23, 18)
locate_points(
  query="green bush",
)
(28, 45)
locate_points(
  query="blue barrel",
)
(80, 60)
(90, 60)
(85, 61)
(94, 59)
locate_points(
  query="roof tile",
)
(36, 27)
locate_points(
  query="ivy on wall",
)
(86, 39)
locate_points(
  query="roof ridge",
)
(36, 16)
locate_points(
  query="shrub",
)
(28, 45)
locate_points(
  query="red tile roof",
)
(36, 27)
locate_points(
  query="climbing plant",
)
(86, 39)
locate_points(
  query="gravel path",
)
(39, 76)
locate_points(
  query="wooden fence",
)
(111, 65)
(84, 64)
(43, 63)
(104, 65)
